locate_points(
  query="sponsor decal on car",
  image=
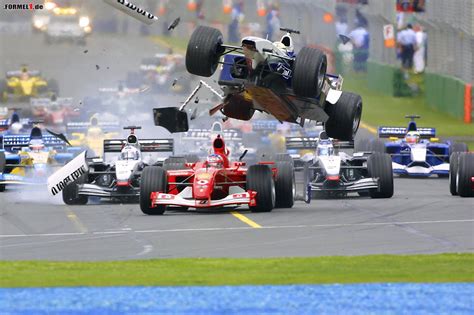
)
(132, 10)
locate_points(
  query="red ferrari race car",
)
(217, 183)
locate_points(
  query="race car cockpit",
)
(130, 152)
(215, 161)
(412, 137)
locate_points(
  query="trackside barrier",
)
(468, 104)
(446, 94)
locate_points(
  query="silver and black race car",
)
(118, 176)
(331, 174)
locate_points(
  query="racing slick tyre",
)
(2, 168)
(283, 157)
(260, 179)
(344, 117)
(285, 186)
(453, 172)
(70, 195)
(309, 72)
(203, 51)
(377, 145)
(379, 165)
(458, 147)
(153, 179)
(53, 86)
(465, 175)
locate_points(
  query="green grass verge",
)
(380, 109)
(178, 44)
(208, 271)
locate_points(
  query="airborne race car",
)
(461, 174)
(327, 174)
(119, 179)
(415, 151)
(268, 77)
(216, 183)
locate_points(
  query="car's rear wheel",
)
(260, 179)
(309, 72)
(71, 195)
(379, 165)
(203, 51)
(465, 174)
(154, 179)
(377, 145)
(285, 186)
(453, 172)
(344, 117)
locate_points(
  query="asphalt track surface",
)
(422, 217)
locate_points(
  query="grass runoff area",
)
(224, 271)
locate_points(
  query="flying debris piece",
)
(224, 119)
(345, 39)
(174, 24)
(144, 89)
(194, 114)
(108, 68)
(132, 10)
(174, 82)
(86, 51)
(59, 136)
(196, 100)
(97, 67)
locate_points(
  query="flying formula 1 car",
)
(461, 174)
(217, 183)
(24, 84)
(327, 174)
(415, 151)
(268, 77)
(30, 158)
(119, 178)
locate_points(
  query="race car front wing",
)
(244, 198)
(107, 192)
(358, 185)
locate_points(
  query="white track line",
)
(242, 228)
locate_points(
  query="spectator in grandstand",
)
(237, 16)
(406, 40)
(273, 22)
(360, 39)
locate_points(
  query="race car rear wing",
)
(400, 132)
(17, 73)
(17, 142)
(303, 143)
(106, 126)
(146, 145)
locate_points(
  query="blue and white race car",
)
(28, 159)
(415, 151)
(265, 76)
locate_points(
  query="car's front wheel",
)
(153, 179)
(379, 165)
(344, 117)
(260, 180)
(309, 72)
(71, 195)
(203, 51)
(465, 175)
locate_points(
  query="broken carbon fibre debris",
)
(175, 23)
(132, 10)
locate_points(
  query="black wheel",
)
(379, 166)
(3, 162)
(465, 174)
(260, 179)
(344, 117)
(458, 147)
(203, 51)
(285, 186)
(71, 196)
(153, 179)
(53, 86)
(377, 145)
(453, 172)
(309, 72)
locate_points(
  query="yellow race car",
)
(21, 85)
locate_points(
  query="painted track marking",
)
(368, 127)
(75, 220)
(315, 226)
(246, 220)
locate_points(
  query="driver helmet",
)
(412, 137)
(215, 160)
(129, 153)
(15, 128)
(324, 148)
(36, 145)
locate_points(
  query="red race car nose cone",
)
(332, 177)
